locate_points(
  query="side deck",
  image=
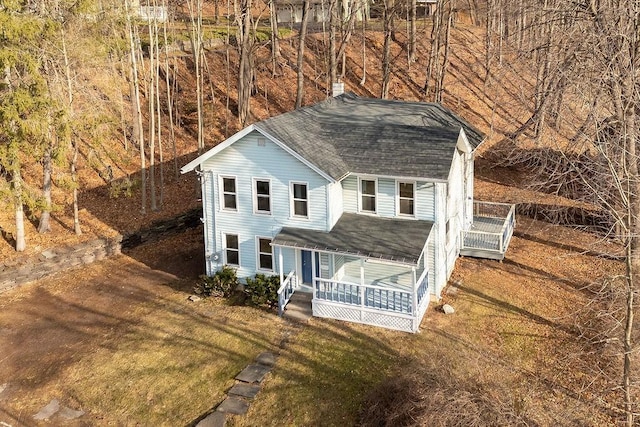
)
(490, 232)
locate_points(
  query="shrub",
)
(223, 283)
(263, 290)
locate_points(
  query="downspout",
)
(202, 177)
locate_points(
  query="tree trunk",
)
(275, 36)
(16, 187)
(73, 139)
(333, 63)
(245, 51)
(412, 31)
(153, 42)
(44, 225)
(137, 111)
(386, 50)
(300, 64)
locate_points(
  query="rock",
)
(248, 391)
(69, 414)
(216, 419)
(266, 358)
(447, 309)
(194, 298)
(48, 411)
(234, 405)
(253, 373)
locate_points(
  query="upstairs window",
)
(229, 195)
(406, 198)
(262, 202)
(299, 199)
(368, 195)
(265, 254)
(232, 249)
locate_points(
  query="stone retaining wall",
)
(17, 272)
(57, 259)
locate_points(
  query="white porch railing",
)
(287, 288)
(493, 236)
(371, 304)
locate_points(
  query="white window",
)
(265, 254)
(262, 193)
(406, 198)
(368, 195)
(229, 193)
(232, 249)
(299, 199)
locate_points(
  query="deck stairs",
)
(299, 307)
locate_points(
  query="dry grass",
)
(511, 354)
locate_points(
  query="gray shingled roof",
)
(398, 240)
(350, 134)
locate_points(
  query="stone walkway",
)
(245, 389)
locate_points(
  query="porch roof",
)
(396, 240)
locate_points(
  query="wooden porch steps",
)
(299, 307)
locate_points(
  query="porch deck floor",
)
(487, 245)
(486, 224)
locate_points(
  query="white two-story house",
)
(366, 203)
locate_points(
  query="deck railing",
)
(287, 289)
(486, 240)
(371, 296)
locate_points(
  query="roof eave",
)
(215, 150)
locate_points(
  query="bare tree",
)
(300, 65)
(388, 24)
(246, 69)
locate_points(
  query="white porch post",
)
(362, 292)
(414, 297)
(281, 264)
(313, 268)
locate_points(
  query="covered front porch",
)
(490, 232)
(366, 270)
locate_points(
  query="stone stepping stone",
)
(54, 408)
(266, 358)
(245, 390)
(234, 405)
(215, 419)
(48, 411)
(253, 373)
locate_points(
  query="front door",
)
(307, 269)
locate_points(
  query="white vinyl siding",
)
(425, 201)
(247, 160)
(386, 197)
(350, 194)
(335, 203)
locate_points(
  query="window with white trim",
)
(265, 254)
(368, 195)
(299, 199)
(262, 202)
(229, 193)
(232, 249)
(406, 198)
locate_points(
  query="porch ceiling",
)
(396, 240)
